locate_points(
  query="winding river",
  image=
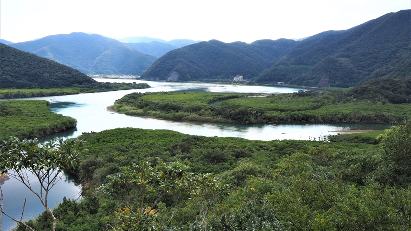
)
(90, 111)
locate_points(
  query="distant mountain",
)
(90, 54)
(155, 48)
(215, 60)
(181, 42)
(378, 48)
(176, 43)
(140, 39)
(19, 69)
(5, 42)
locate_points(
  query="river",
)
(90, 111)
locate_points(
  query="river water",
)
(90, 111)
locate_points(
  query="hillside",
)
(20, 69)
(216, 61)
(90, 54)
(378, 48)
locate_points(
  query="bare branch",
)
(24, 206)
(6, 214)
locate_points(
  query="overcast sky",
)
(224, 20)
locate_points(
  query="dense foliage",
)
(19, 69)
(90, 54)
(162, 180)
(85, 88)
(378, 48)
(301, 107)
(217, 61)
(30, 119)
(384, 89)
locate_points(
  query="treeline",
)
(76, 89)
(300, 107)
(136, 179)
(31, 119)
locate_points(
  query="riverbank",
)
(31, 119)
(90, 88)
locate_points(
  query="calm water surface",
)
(90, 111)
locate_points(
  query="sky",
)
(224, 20)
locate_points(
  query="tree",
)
(46, 161)
(396, 146)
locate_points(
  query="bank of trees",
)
(31, 119)
(76, 89)
(300, 107)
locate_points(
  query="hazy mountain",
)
(90, 54)
(181, 42)
(378, 48)
(176, 43)
(215, 60)
(155, 48)
(5, 42)
(19, 69)
(140, 39)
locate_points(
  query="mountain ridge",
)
(89, 53)
(378, 48)
(348, 58)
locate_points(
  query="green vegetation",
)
(31, 119)
(301, 107)
(90, 54)
(369, 137)
(218, 61)
(136, 179)
(95, 87)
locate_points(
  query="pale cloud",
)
(225, 20)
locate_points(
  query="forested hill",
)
(378, 48)
(215, 60)
(90, 54)
(20, 69)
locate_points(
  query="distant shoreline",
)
(353, 131)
